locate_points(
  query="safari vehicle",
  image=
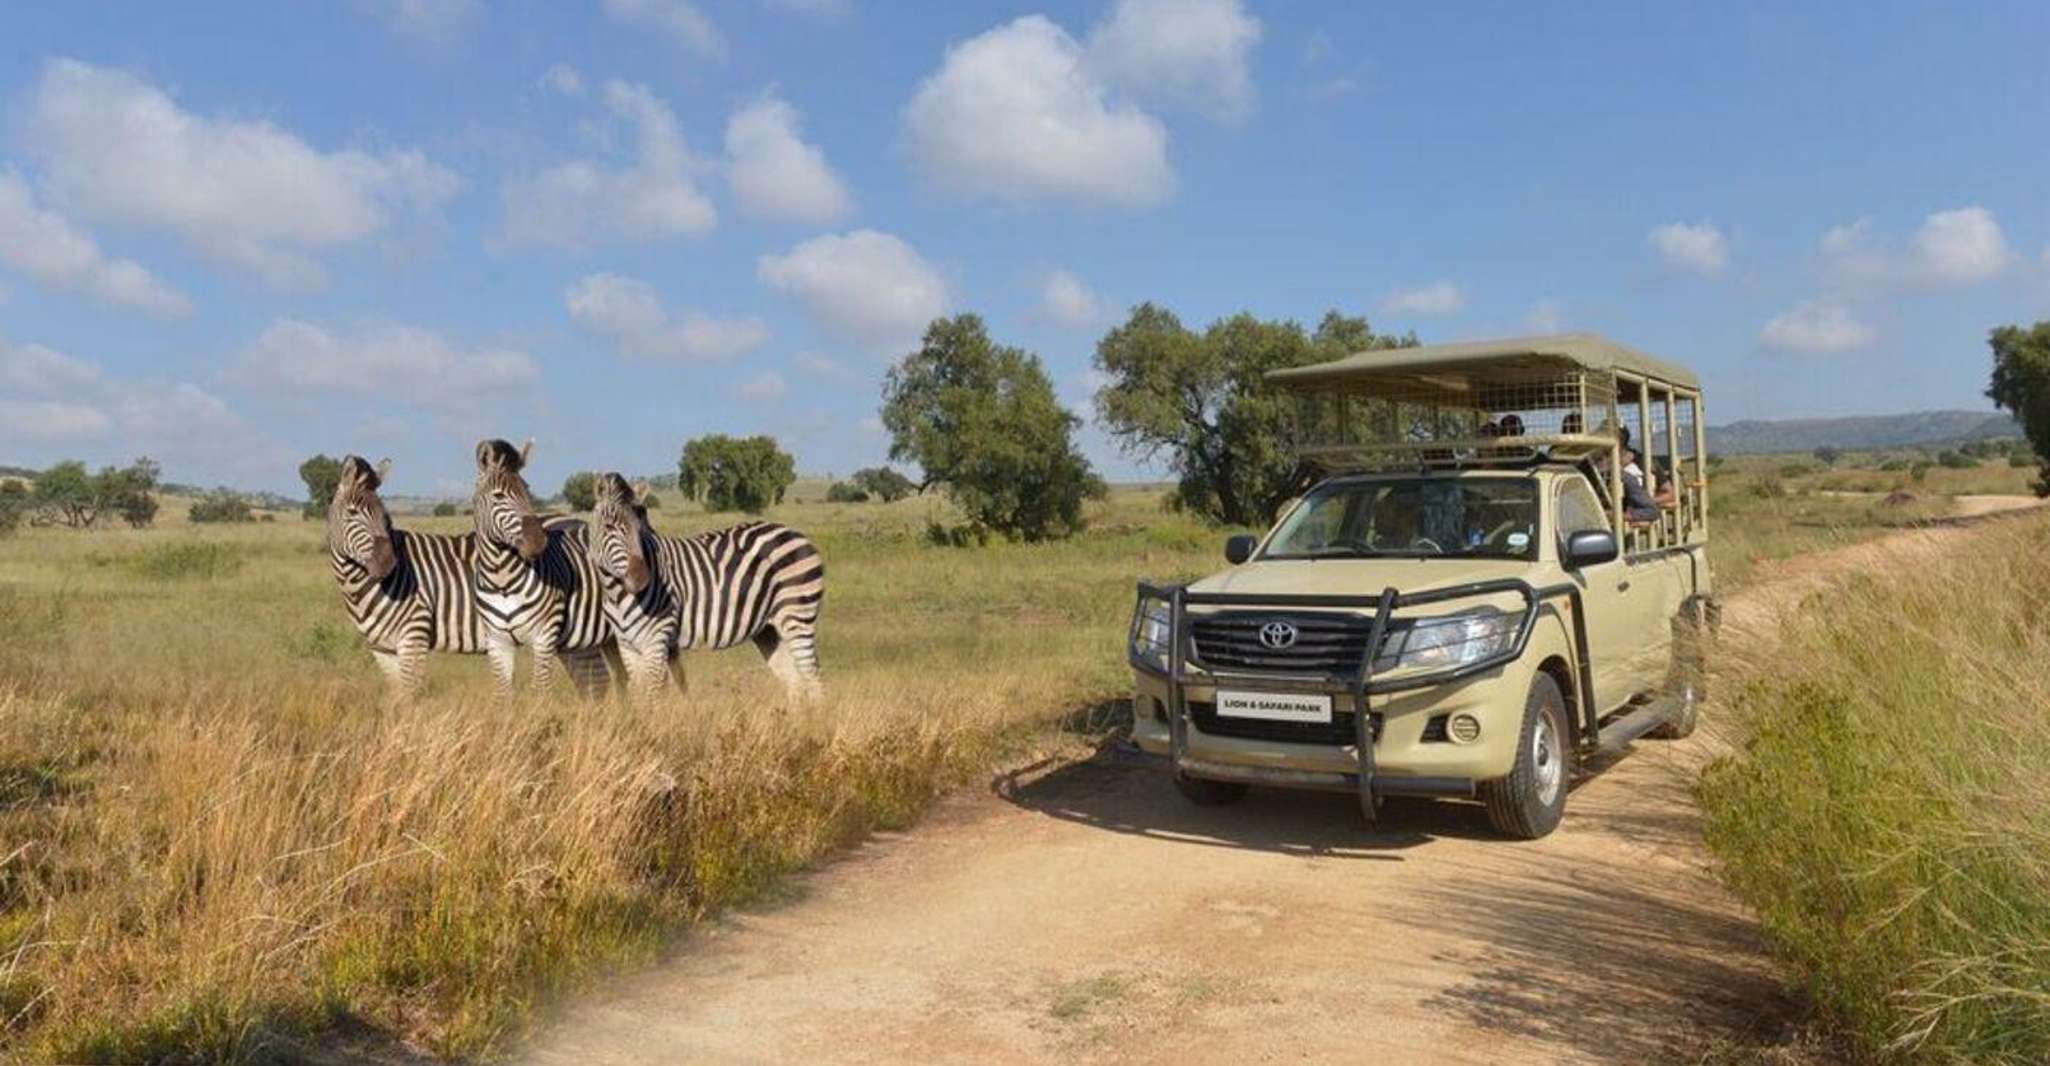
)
(1468, 604)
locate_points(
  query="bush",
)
(1794, 470)
(192, 559)
(321, 475)
(444, 509)
(735, 473)
(14, 502)
(883, 483)
(1894, 465)
(580, 491)
(2020, 460)
(842, 492)
(1768, 488)
(221, 505)
(67, 495)
(651, 501)
(1919, 470)
(1954, 460)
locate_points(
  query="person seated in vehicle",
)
(1639, 506)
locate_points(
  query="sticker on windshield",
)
(1519, 540)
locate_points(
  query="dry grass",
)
(1888, 814)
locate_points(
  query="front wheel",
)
(1204, 792)
(1529, 802)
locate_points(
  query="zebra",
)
(757, 580)
(535, 580)
(408, 593)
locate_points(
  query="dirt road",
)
(1084, 912)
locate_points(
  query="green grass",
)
(1888, 812)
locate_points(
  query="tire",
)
(1204, 792)
(1529, 803)
(1693, 636)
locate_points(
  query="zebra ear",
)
(383, 470)
(526, 452)
(641, 490)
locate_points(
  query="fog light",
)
(1464, 728)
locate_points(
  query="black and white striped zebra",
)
(410, 593)
(536, 583)
(757, 581)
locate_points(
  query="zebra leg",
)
(783, 663)
(394, 671)
(498, 647)
(646, 671)
(587, 672)
(615, 666)
(676, 674)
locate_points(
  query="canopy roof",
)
(1506, 357)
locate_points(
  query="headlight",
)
(1451, 641)
(1151, 622)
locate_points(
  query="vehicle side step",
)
(1632, 724)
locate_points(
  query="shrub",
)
(1794, 470)
(67, 495)
(2020, 460)
(883, 483)
(444, 509)
(14, 497)
(1894, 465)
(580, 491)
(1768, 488)
(1954, 460)
(1919, 470)
(191, 559)
(651, 501)
(735, 473)
(842, 492)
(221, 505)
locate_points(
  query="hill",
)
(1860, 432)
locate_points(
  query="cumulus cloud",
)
(388, 363)
(430, 20)
(865, 286)
(763, 387)
(564, 79)
(774, 174)
(1698, 247)
(825, 366)
(48, 249)
(1817, 327)
(583, 202)
(1191, 52)
(1949, 249)
(116, 149)
(1016, 114)
(630, 312)
(1436, 298)
(52, 401)
(679, 19)
(1066, 301)
(816, 8)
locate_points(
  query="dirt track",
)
(1083, 912)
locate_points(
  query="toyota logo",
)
(1278, 635)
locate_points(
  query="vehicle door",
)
(1605, 594)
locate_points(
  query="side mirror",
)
(1590, 547)
(1240, 548)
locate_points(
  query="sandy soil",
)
(1080, 911)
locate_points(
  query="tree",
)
(846, 492)
(735, 473)
(1202, 399)
(221, 505)
(128, 491)
(2021, 384)
(444, 509)
(321, 475)
(883, 483)
(64, 494)
(980, 419)
(1828, 455)
(650, 502)
(580, 491)
(14, 504)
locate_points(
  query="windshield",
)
(1470, 517)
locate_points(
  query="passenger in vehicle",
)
(1638, 505)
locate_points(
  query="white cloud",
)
(772, 171)
(1016, 114)
(1698, 247)
(1817, 326)
(117, 149)
(816, 8)
(1546, 316)
(824, 366)
(582, 203)
(763, 387)
(1066, 301)
(390, 362)
(53, 399)
(680, 19)
(863, 286)
(431, 20)
(1953, 248)
(564, 79)
(48, 249)
(1193, 52)
(631, 313)
(1436, 298)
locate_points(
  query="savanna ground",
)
(215, 842)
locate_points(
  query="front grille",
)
(1203, 714)
(1328, 643)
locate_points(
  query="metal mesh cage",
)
(1417, 413)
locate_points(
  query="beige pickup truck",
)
(1505, 571)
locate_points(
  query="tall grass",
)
(1888, 811)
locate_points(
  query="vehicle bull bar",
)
(1358, 684)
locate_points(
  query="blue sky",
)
(233, 236)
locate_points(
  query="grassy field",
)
(214, 839)
(1888, 812)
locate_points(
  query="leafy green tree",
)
(735, 473)
(883, 483)
(1826, 454)
(2021, 384)
(580, 491)
(1201, 399)
(65, 494)
(980, 419)
(221, 505)
(444, 509)
(1953, 460)
(321, 475)
(846, 492)
(14, 505)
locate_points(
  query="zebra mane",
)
(499, 453)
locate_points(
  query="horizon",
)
(233, 240)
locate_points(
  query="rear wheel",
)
(1529, 802)
(1204, 792)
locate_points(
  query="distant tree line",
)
(71, 496)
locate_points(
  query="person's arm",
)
(1638, 506)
